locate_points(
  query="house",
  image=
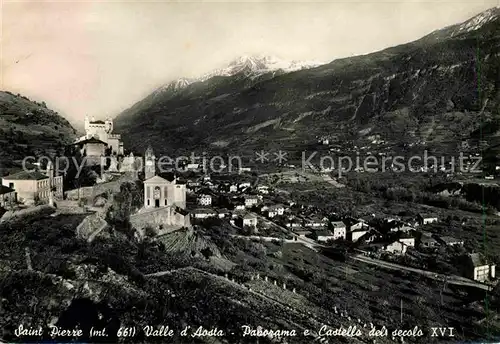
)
(279, 209)
(239, 206)
(237, 214)
(203, 213)
(271, 213)
(244, 185)
(449, 241)
(408, 241)
(249, 219)
(233, 188)
(396, 247)
(223, 213)
(294, 223)
(357, 224)
(477, 268)
(192, 167)
(263, 189)
(8, 196)
(424, 219)
(356, 234)
(404, 228)
(204, 200)
(427, 242)
(325, 235)
(302, 232)
(315, 222)
(265, 207)
(35, 185)
(250, 201)
(192, 183)
(339, 229)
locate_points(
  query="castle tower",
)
(87, 123)
(50, 172)
(108, 125)
(149, 163)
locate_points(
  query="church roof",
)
(156, 180)
(25, 175)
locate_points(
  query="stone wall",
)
(90, 192)
(165, 217)
(23, 214)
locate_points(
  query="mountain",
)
(29, 128)
(251, 66)
(440, 89)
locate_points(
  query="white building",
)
(357, 234)
(325, 235)
(103, 131)
(339, 229)
(250, 201)
(35, 185)
(397, 247)
(250, 220)
(205, 200)
(203, 213)
(478, 269)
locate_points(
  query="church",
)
(164, 200)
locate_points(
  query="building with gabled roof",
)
(34, 185)
(476, 267)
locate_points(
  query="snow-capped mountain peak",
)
(248, 65)
(479, 20)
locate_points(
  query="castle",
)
(102, 131)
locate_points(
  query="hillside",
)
(437, 89)
(28, 128)
(107, 283)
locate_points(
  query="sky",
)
(100, 57)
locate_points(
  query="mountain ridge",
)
(251, 65)
(425, 90)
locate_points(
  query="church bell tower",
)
(149, 163)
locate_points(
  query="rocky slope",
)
(29, 128)
(436, 89)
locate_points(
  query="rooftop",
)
(156, 180)
(25, 175)
(4, 190)
(477, 259)
(91, 140)
(338, 224)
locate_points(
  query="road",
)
(451, 279)
(296, 238)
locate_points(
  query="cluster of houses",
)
(244, 204)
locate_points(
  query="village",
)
(251, 204)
